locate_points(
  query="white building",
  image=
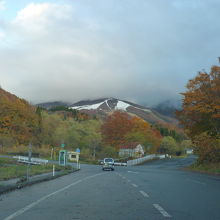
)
(131, 150)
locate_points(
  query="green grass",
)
(10, 169)
(181, 156)
(212, 168)
(94, 162)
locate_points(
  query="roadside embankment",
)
(206, 168)
(15, 175)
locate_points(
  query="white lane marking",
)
(26, 208)
(132, 172)
(129, 181)
(144, 193)
(134, 185)
(124, 177)
(195, 181)
(162, 211)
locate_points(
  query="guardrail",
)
(143, 159)
(34, 160)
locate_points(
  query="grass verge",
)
(181, 156)
(10, 168)
(209, 168)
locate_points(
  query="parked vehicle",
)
(108, 164)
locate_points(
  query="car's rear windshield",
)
(108, 160)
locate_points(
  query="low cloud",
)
(142, 51)
(2, 5)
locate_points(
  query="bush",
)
(207, 148)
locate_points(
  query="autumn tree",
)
(18, 119)
(168, 145)
(143, 133)
(200, 114)
(115, 128)
(120, 128)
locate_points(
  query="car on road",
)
(108, 164)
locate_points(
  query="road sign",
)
(62, 145)
(77, 150)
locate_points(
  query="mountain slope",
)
(49, 105)
(105, 106)
(18, 119)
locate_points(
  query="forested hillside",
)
(19, 122)
(22, 123)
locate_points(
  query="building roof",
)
(129, 146)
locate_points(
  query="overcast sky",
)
(140, 50)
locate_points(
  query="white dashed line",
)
(132, 172)
(144, 193)
(134, 185)
(129, 181)
(195, 181)
(162, 211)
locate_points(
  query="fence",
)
(144, 159)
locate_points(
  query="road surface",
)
(157, 190)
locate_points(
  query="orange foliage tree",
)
(143, 133)
(200, 114)
(116, 127)
(120, 128)
(18, 119)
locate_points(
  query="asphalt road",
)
(156, 190)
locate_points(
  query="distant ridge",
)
(49, 105)
(102, 107)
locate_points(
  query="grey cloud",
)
(144, 51)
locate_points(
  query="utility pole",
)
(29, 160)
(94, 151)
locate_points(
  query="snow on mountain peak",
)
(88, 107)
(119, 105)
(122, 105)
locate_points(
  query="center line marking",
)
(134, 185)
(195, 181)
(144, 193)
(132, 172)
(162, 211)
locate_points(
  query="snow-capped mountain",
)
(105, 106)
(102, 107)
(108, 104)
